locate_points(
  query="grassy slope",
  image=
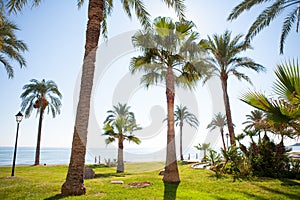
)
(44, 182)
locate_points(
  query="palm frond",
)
(287, 25)
(179, 7)
(15, 6)
(243, 6)
(287, 84)
(272, 10)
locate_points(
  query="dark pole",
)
(15, 152)
(19, 118)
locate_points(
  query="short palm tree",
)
(225, 61)
(219, 121)
(256, 120)
(40, 95)
(98, 12)
(11, 48)
(284, 112)
(181, 116)
(168, 50)
(203, 147)
(119, 125)
(272, 10)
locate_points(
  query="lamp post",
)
(19, 118)
(227, 134)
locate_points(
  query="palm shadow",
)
(107, 175)
(285, 193)
(57, 196)
(170, 190)
(289, 182)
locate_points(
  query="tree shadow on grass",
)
(253, 196)
(107, 175)
(286, 194)
(170, 191)
(57, 196)
(288, 182)
(96, 166)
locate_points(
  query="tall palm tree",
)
(181, 116)
(11, 48)
(98, 11)
(273, 9)
(225, 61)
(203, 147)
(167, 52)
(285, 111)
(119, 125)
(40, 95)
(219, 121)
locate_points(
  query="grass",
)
(44, 182)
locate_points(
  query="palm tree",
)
(203, 147)
(40, 95)
(10, 47)
(181, 116)
(219, 121)
(225, 61)
(119, 124)
(273, 9)
(98, 11)
(167, 52)
(257, 121)
(284, 112)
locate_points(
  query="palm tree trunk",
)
(120, 166)
(222, 134)
(181, 155)
(38, 144)
(171, 174)
(74, 184)
(228, 111)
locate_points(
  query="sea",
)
(61, 156)
(57, 156)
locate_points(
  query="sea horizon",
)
(61, 155)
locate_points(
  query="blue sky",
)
(55, 34)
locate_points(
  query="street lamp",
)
(19, 118)
(227, 134)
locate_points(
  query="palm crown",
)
(41, 95)
(182, 115)
(225, 59)
(167, 45)
(219, 121)
(255, 120)
(119, 123)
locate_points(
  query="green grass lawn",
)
(44, 182)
